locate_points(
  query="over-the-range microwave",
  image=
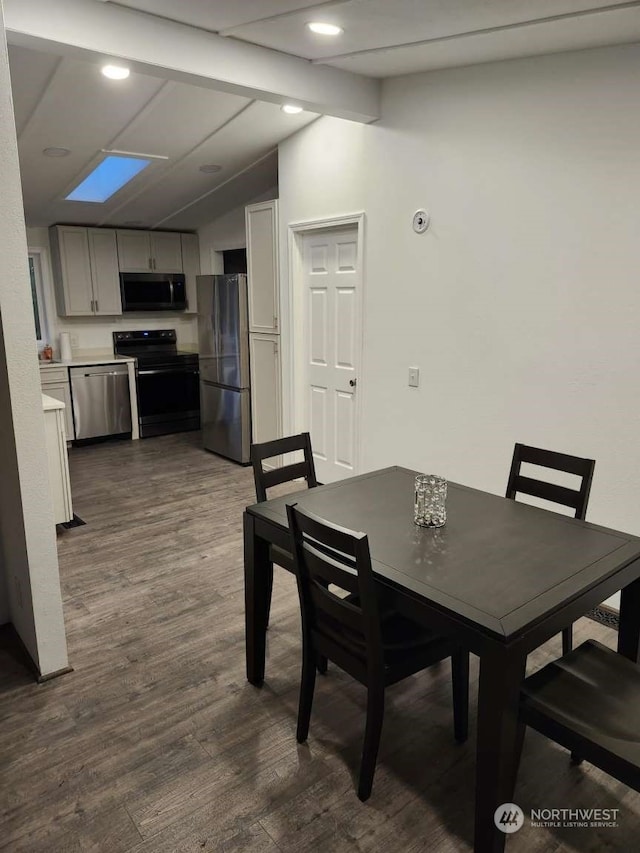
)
(153, 291)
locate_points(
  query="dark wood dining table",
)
(501, 577)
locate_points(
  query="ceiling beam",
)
(173, 51)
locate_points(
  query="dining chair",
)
(265, 480)
(589, 702)
(575, 499)
(372, 643)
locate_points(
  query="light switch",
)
(414, 377)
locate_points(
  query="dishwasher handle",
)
(108, 373)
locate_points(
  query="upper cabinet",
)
(87, 263)
(149, 251)
(191, 268)
(166, 251)
(134, 251)
(85, 269)
(103, 255)
(262, 266)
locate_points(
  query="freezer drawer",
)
(225, 415)
(101, 404)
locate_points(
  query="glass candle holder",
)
(429, 509)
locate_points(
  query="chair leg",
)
(307, 685)
(322, 664)
(460, 684)
(567, 640)
(373, 730)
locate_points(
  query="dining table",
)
(501, 578)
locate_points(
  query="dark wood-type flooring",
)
(157, 743)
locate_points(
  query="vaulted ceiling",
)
(61, 99)
(62, 102)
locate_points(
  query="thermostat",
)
(420, 221)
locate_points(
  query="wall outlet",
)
(414, 377)
(74, 341)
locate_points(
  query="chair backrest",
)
(576, 499)
(344, 628)
(266, 479)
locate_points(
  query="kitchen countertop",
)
(79, 361)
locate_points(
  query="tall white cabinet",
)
(264, 320)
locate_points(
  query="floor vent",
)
(605, 616)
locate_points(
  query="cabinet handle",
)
(92, 306)
(96, 306)
(275, 322)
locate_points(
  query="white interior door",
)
(333, 323)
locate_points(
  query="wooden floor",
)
(156, 742)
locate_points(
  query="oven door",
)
(168, 399)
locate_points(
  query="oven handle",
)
(169, 370)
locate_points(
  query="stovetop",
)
(153, 347)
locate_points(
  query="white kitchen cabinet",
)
(191, 268)
(166, 251)
(54, 381)
(58, 463)
(149, 251)
(266, 384)
(262, 266)
(134, 251)
(85, 271)
(105, 276)
(71, 270)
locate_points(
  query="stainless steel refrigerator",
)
(223, 346)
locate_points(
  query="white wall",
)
(27, 530)
(226, 232)
(95, 333)
(521, 305)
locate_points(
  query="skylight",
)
(107, 178)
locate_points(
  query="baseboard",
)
(42, 678)
(14, 642)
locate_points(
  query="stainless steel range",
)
(167, 380)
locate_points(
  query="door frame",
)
(294, 388)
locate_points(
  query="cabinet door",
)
(61, 391)
(191, 268)
(134, 251)
(166, 251)
(262, 261)
(72, 270)
(265, 387)
(103, 252)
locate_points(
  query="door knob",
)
(353, 382)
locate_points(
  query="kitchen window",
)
(37, 296)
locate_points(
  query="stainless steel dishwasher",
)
(101, 403)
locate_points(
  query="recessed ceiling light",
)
(115, 72)
(56, 152)
(323, 29)
(210, 168)
(291, 109)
